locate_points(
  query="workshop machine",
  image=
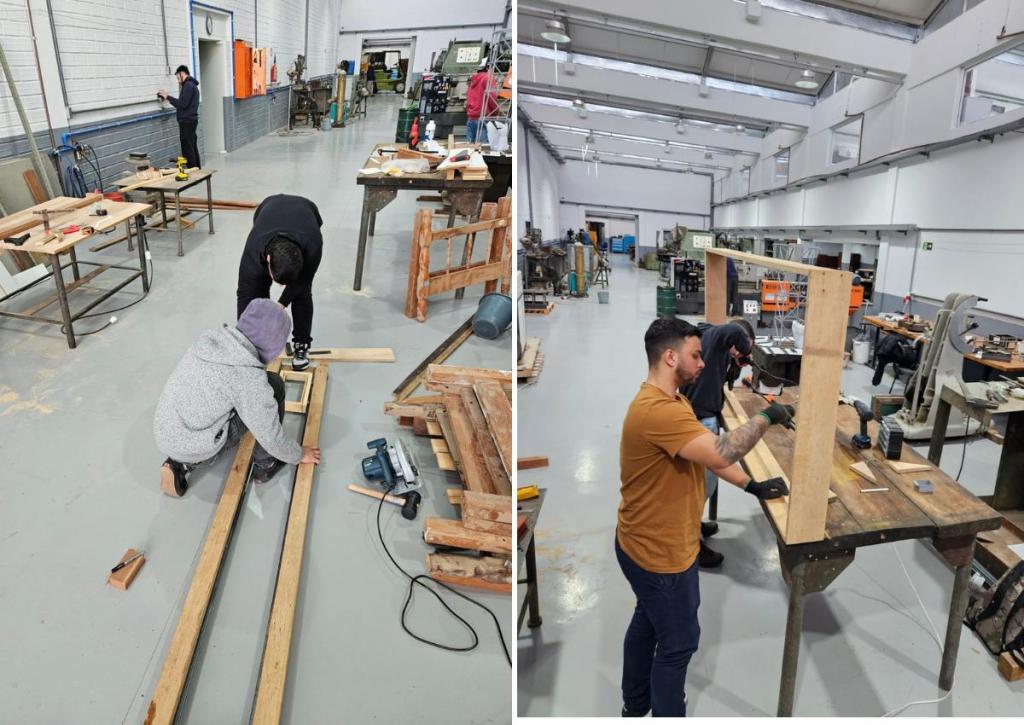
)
(941, 365)
(546, 267)
(309, 100)
(687, 277)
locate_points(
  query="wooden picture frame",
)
(825, 317)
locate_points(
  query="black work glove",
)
(778, 413)
(772, 488)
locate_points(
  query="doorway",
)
(210, 74)
(390, 59)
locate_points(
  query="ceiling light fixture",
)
(807, 80)
(740, 128)
(668, 147)
(555, 32)
(680, 128)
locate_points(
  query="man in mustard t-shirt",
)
(663, 454)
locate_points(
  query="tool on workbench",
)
(890, 438)
(182, 163)
(525, 493)
(47, 213)
(393, 465)
(749, 383)
(861, 439)
(923, 485)
(17, 241)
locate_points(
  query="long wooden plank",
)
(497, 409)
(486, 506)
(530, 351)
(476, 273)
(474, 471)
(274, 668)
(34, 187)
(461, 375)
(449, 532)
(715, 285)
(528, 462)
(828, 302)
(500, 481)
(469, 228)
(441, 353)
(770, 262)
(163, 706)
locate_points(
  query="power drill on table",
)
(182, 163)
(862, 439)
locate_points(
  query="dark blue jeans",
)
(661, 638)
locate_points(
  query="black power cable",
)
(421, 580)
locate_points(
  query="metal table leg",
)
(957, 609)
(177, 218)
(140, 222)
(374, 199)
(939, 430)
(467, 203)
(74, 264)
(209, 202)
(62, 297)
(373, 223)
(532, 591)
(163, 207)
(791, 649)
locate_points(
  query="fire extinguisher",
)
(414, 133)
(273, 71)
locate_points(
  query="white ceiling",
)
(913, 12)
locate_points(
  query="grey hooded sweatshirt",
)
(221, 373)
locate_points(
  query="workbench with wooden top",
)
(64, 212)
(379, 190)
(168, 184)
(883, 325)
(860, 515)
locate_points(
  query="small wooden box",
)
(122, 578)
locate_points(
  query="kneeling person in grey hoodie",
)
(219, 390)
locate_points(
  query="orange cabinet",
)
(243, 70)
(259, 72)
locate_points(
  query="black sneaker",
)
(262, 474)
(708, 528)
(300, 356)
(708, 558)
(172, 478)
(634, 713)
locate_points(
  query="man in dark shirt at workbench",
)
(284, 246)
(723, 347)
(187, 107)
(662, 456)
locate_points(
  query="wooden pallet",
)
(541, 311)
(531, 361)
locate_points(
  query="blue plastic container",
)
(493, 316)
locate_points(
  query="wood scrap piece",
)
(461, 375)
(530, 351)
(908, 467)
(862, 470)
(487, 506)
(497, 410)
(34, 188)
(500, 482)
(434, 429)
(529, 462)
(454, 496)
(449, 437)
(484, 572)
(123, 577)
(445, 461)
(441, 353)
(473, 469)
(448, 532)
(491, 527)
(1009, 669)
(423, 407)
(274, 666)
(419, 426)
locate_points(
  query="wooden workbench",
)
(882, 325)
(117, 213)
(950, 518)
(169, 185)
(466, 197)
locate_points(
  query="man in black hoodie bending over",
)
(725, 348)
(284, 246)
(187, 105)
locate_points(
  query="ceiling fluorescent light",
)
(807, 80)
(703, 90)
(740, 128)
(680, 127)
(555, 32)
(668, 147)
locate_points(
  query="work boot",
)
(637, 713)
(262, 474)
(172, 478)
(708, 529)
(708, 558)
(300, 356)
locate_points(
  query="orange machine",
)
(856, 298)
(243, 69)
(775, 296)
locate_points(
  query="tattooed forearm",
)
(735, 444)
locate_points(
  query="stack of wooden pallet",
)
(531, 361)
(469, 421)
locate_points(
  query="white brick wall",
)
(17, 42)
(323, 37)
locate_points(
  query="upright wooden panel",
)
(274, 668)
(714, 287)
(828, 300)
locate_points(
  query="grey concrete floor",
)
(867, 648)
(80, 486)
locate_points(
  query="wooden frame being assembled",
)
(306, 378)
(163, 706)
(802, 518)
(495, 218)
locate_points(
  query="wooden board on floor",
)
(483, 572)
(500, 481)
(530, 350)
(472, 466)
(467, 376)
(529, 462)
(163, 705)
(274, 666)
(448, 532)
(353, 355)
(441, 353)
(497, 410)
(487, 506)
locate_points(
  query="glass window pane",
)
(846, 141)
(993, 87)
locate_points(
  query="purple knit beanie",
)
(267, 325)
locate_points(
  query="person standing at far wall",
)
(477, 98)
(187, 106)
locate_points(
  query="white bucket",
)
(798, 334)
(861, 351)
(602, 297)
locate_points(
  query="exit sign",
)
(927, 246)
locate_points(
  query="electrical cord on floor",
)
(935, 634)
(112, 320)
(415, 581)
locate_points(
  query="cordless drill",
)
(862, 439)
(182, 163)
